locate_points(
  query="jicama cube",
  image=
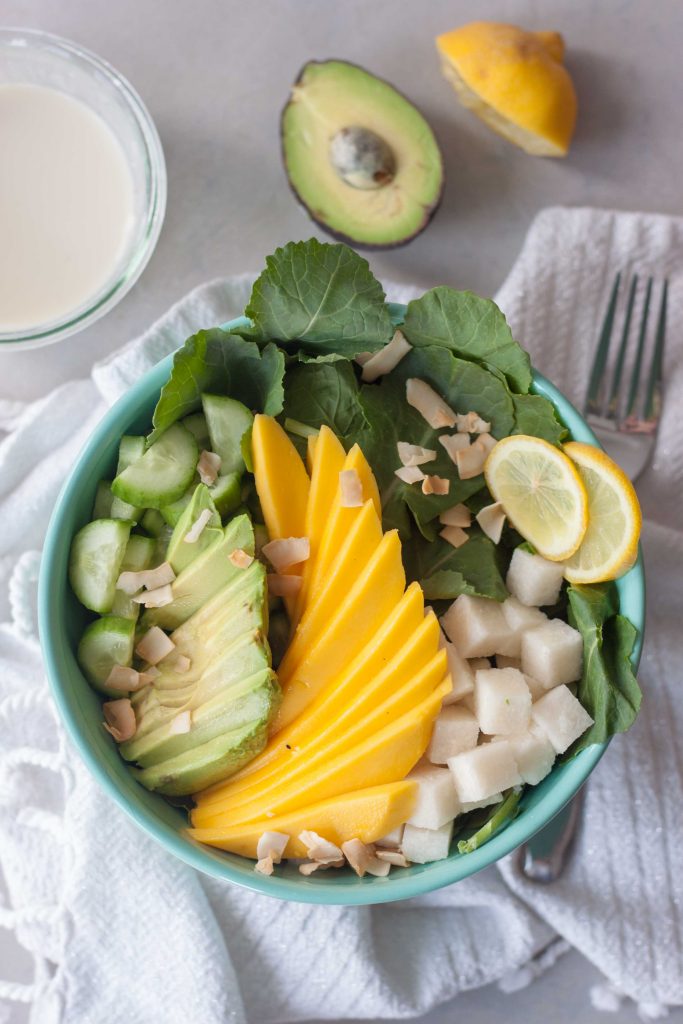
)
(505, 661)
(534, 754)
(468, 702)
(460, 672)
(536, 689)
(392, 840)
(553, 653)
(502, 701)
(521, 618)
(561, 717)
(489, 768)
(534, 580)
(475, 805)
(477, 627)
(437, 801)
(454, 731)
(423, 845)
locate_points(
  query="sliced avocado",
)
(359, 156)
(241, 605)
(226, 495)
(180, 554)
(248, 653)
(204, 577)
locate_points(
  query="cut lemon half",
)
(541, 492)
(610, 546)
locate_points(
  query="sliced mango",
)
(303, 763)
(361, 611)
(386, 756)
(326, 458)
(367, 814)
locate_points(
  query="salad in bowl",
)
(351, 590)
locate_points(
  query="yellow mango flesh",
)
(386, 756)
(404, 621)
(326, 458)
(361, 611)
(367, 814)
(282, 482)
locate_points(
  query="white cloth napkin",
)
(122, 932)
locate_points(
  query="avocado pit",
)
(362, 158)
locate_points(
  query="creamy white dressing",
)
(66, 205)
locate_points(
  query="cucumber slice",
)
(163, 473)
(179, 553)
(106, 642)
(103, 501)
(228, 421)
(198, 427)
(152, 522)
(172, 513)
(97, 551)
(226, 493)
(130, 450)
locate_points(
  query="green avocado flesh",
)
(334, 96)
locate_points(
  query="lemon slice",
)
(541, 492)
(610, 545)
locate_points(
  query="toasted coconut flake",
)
(459, 515)
(151, 579)
(286, 552)
(182, 663)
(124, 679)
(454, 535)
(209, 467)
(351, 489)
(154, 646)
(309, 867)
(386, 359)
(472, 423)
(394, 857)
(320, 849)
(492, 520)
(480, 426)
(283, 586)
(149, 673)
(409, 474)
(414, 454)
(273, 845)
(119, 719)
(264, 866)
(363, 357)
(454, 443)
(470, 461)
(430, 405)
(182, 723)
(241, 559)
(130, 582)
(358, 855)
(435, 485)
(485, 442)
(155, 598)
(195, 531)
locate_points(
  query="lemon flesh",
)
(610, 545)
(541, 492)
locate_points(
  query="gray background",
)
(215, 74)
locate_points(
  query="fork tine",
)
(655, 378)
(601, 353)
(635, 376)
(619, 366)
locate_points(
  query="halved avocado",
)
(359, 156)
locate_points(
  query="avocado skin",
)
(340, 236)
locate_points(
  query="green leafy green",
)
(215, 360)
(445, 572)
(319, 298)
(535, 415)
(501, 815)
(471, 327)
(608, 688)
(317, 393)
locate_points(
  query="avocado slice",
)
(180, 554)
(359, 156)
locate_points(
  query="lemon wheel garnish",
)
(610, 545)
(542, 494)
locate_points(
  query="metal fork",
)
(623, 410)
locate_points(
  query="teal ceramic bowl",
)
(62, 620)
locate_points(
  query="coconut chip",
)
(182, 723)
(435, 485)
(149, 673)
(454, 535)
(492, 520)
(158, 598)
(264, 866)
(119, 719)
(195, 531)
(459, 515)
(485, 442)
(154, 646)
(362, 358)
(283, 586)
(124, 679)
(454, 443)
(472, 423)
(272, 845)
(208, 467)
(362, 858)
(240, 558)
(414, 454)
(151, 579)
(386, 359)
(182, 664)
(409, 474)
(470, 461)
(320, 849)
(287, 551)
(394, 857)
(429, 405)
(351, 489)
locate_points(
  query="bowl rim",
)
(111, 293)
(432, 876)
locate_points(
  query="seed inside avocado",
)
(362, 158)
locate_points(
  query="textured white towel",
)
(122, 932)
